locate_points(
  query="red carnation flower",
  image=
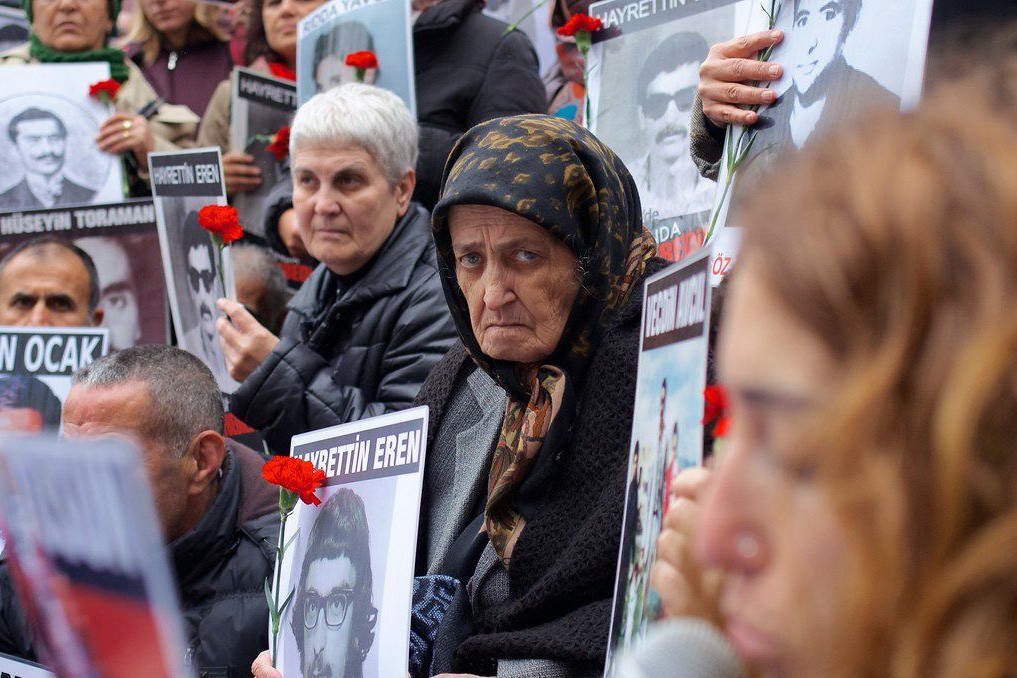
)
(280, 146)
(580, 22)
(221, 221)
(715, 409)
(104, 90)
(364, 59)
(294, 475)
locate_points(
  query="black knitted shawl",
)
(563, 566)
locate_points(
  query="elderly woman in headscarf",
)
(77, 31)
(542, 254)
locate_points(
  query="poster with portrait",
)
(532, 17)
(87, 558)
(350, 567)
(36, 366)
(262, 105)
(183, 182)
(123, 242)
(14, 29)
(48, 125)
(339, 28)
(841, 59)
(644, 69)
(20, 668)
(667, 433)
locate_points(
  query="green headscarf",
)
(47, 55)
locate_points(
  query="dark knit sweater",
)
(563, 567)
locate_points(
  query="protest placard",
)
(667, 433)
(183, 182)
(261, 107)
(36, 366)
(338, 28)
(48, 125)
(12, 667)
(14, 28)
(122, 240)
(840, 61)
(351, 565)
(87, 558)
(644, 69)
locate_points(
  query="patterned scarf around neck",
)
(114, 57)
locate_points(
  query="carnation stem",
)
(280, 552)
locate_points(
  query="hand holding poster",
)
(839, 60)
(36, 366)
(339, 28)
(48, 125)
(350, 568)
(123, 242)
(667, 433)
(88, 560)
(183, 182)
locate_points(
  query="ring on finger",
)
(127, 125)
(126, 135)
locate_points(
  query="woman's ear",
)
(404, 191)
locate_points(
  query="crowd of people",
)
(487, 259)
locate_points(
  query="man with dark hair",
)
(40, 138)
(49, 282)
(333, 618)
(669, 183)
(824, 87)
(205, 288)
(218, 516)
(118, 289)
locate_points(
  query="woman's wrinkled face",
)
(169, 16)
(71, 25)
(765, 520)
(280, 18)
(519, 282)
(345, 207)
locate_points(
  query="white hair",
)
(362, 115)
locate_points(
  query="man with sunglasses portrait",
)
(204, 289)
(333, 618)
(668, 181)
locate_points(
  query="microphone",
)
(684, 647)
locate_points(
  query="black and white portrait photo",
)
(196, 285)
(331, 50)
(333, 616)
(350, 567)
(643, 78)
(841, 58)
(331, 32)
(47, 142)
(669, 182)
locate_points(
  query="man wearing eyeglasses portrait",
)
(204, 288)
(333, 618)
(668, 181)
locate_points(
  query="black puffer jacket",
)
(221, 566)
(347, 354)
(468, 70)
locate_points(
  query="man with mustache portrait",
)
(40, 138)
(204, 287)
(669, 183)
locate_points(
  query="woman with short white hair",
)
(367, 326)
